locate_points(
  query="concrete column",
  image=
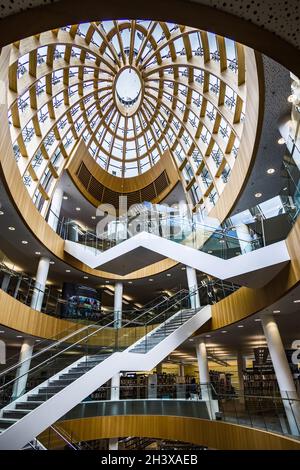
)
(55, 208)
(159, 368)
(203, 370)
(244, 238)
(283, 372)
(17, 287)
(115, 387)
(27, 346)
(40, 284)
(241, 365)
(193, 284)
(5, 282)
(181, 370)
(22, 373)
(113, 444)
(118, 304)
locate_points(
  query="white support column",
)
(55, 208)
(5, 282)
(193, 284)
(115, 387)
(22, 372)
(17, 287)
(40, 284)
(181, 370)
(212, 405)
(113, 443)
(241, 365)
(283, 372)
(204, 378)
(244, 237)
(118, 304)
(27, 346)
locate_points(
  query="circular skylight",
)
(128, 89)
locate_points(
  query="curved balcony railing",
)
(262, 412)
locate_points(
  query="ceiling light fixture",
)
(276, 311)
(65, 198)
(2, 331)
(258, 194)
(281, 141)
(93, 217)
(11, 228)
(207, 336)
(38, 253)
(1, 213)
(169, 275)
(52, 262)
(270, 171)
(297, 301)
(68, 270)
(85, 277)
(78, 209)
(151, 280)
(292, 98)
(129, 282)
(240, 326)
(24, 242)
(257, 319)
(19, 336)
(224, 331)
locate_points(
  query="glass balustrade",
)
(96, 341)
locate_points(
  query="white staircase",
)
(25, 418)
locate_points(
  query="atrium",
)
(150, 226)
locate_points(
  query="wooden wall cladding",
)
(98, 186)
(213, 434)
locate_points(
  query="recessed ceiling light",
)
(129, 282)
(150, 280)
(297, 301)
(2, 331)
(93, 217)
(240, 326)
(258, 194)
(257, 319)
(1, 213)
(78, 209)
(19, 336)
(38, 253)
(37, 340)
(270, 171)
(276, 311)
(68, 270)
(24, 242)
(292, 98)
(281, 141)
(224, 331)
(85, 277)
(52, 262)
(191, 339)
(169, 275)
(183, 268)
(221, 241)
(209, 252)
(65, 198)
(11, 228)
(208, 336)
(107, 282)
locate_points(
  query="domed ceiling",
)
(131, 89)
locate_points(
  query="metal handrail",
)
(16, 366)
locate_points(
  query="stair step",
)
(59, 382)
(5, 423)
(51, 389)
(30, 405)
(40, 397)
(15, 414)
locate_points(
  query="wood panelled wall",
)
(213, 434)
(99, 186)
